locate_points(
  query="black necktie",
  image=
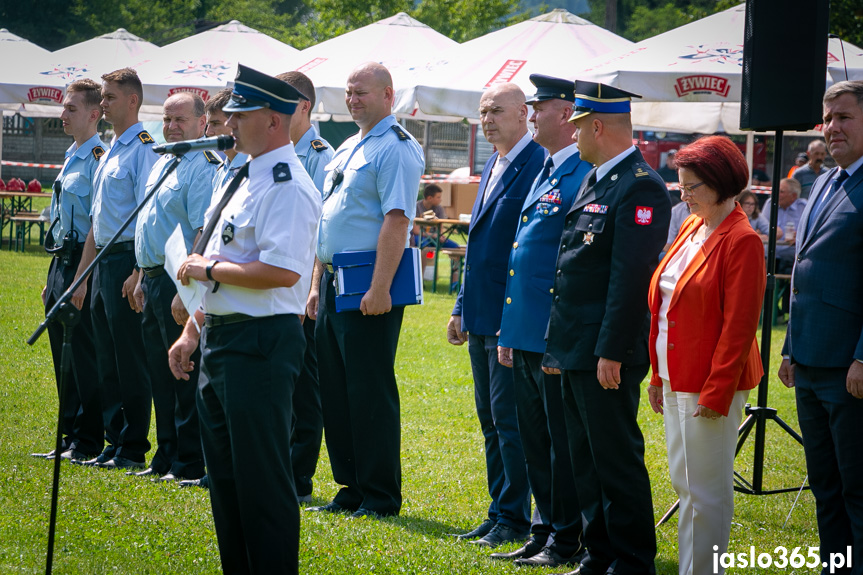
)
(546, 170)
(226, 197)
(825, 197)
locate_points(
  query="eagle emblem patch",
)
(643, 215)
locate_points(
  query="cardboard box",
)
(460, 200)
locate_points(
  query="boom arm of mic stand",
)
(51, 316)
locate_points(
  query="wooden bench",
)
(22, 223)
(456, 261)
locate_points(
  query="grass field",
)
(110, 523)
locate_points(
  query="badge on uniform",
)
(228, 233)
(640, 172)
(588, 238)
(596, 209)
(281, 172)
(643, 215)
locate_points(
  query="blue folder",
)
(353, 276)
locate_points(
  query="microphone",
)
(186, 146)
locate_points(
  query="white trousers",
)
(701, 464)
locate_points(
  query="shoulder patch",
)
(212, 157)
(98, 152)
(400, 133)
(146, 138)
(639, 172)
(318, 146)
(281, 172)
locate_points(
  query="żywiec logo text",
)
(701, 84)
(45, 94)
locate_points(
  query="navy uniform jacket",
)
(610, 246)
(825, 328)
(531, 265)
(490, 236)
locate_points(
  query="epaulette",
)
(318, 145)
(212, 157)
(98, 152)
(640, 171)
(281, 172)
(146, 138)
(400, 133)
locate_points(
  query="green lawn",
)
(109, 523)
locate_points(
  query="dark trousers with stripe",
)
(124, 381)
(360, 401)
(248, 372)
(178, 434)
(308, 429)
(82, 411)
(542, 427)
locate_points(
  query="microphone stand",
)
(67, 315)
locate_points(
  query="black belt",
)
(119, 247)
(211, 320)
(154, 272)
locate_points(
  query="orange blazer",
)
(713, 315)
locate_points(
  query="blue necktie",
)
(546, 170)
(825, 197)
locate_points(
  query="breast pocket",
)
(76, 184)
(237, 233)
(120, 182)
(170, 194)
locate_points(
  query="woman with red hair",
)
(705, 299)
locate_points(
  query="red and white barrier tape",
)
(31, 165)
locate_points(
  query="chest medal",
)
(228, 234)
(588, 238)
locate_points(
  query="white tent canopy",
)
(557, 44)
(690, 77)
(207, 62)
(399, 42)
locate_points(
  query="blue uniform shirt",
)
(314, 157)
(530, 275)
(76, 181)
(381, 173)
(120, 183)
(228, 169)
(182, 199)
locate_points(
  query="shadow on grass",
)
(428, 527)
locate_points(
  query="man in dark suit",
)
(823, 352)
(506, 179)
(556, 538)
(597, 332)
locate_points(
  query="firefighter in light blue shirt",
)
(70, 217)
(181, 201)
(119, 186)
(216, 120)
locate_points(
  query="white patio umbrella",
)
(557, 44)
(20, 83)
(207, 62)
(690, 77)
(46, 78)
(399, 42)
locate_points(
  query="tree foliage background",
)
(54, 24)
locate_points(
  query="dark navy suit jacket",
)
(825, 327)
(492, 229)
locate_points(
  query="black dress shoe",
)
(168, 477)
(500, 534)
(95, 462)
(74, 455)
(146, 473)
(363, 512)
(549, 558)
(529, 549)
(203, 483)
(331, 507)
(122, 463)
(480, 531)
(49, 455)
